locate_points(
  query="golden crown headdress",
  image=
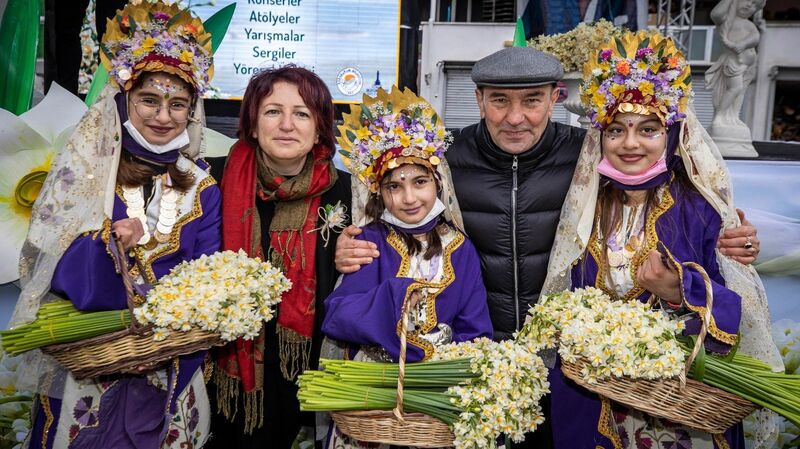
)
(390, 130)
(641, 72)
(156, 37)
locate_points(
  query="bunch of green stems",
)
(348, 385)
(750, 379)
(60, 322)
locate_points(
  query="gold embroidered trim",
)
(605, 425)
(174, 240)
(405, 261)
(715, 331)
(176, 364)
(175, 236)
(48, 420)
(719, 439)
(431, 319)
(651, 240)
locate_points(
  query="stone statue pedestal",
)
(733, 140)
(573, 102)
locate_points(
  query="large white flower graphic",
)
(27, 146)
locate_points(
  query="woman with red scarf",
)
(283, 200)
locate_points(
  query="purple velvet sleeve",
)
(86, 275)
(365, 311)
(727, 305)
(209, 234)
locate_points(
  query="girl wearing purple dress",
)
(395, 144)
(649, 194)
(129, 173)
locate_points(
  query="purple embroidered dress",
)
(365, 309)
(160, 408)
(688, 226)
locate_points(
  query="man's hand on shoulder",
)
(740, 244)
(351, 254)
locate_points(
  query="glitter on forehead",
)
(165, 85)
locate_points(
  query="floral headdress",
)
(641, 72)
(156, 37)
(391, 130)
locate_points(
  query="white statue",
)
(730, 75)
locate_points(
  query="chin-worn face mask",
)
(178, 142)
(606, 169)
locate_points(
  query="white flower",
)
(227, 292)
(616, 338)
(27, 146)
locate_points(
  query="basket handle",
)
(706, 318)
(401, 363)
(118, 252)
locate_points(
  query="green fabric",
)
(519, 34)
(19, 36)
(217, 25)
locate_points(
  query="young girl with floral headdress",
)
(650, 193)
(395, 145)
(128, 174)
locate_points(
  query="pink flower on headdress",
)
(605, 55)
(642, 52)
(623, 68)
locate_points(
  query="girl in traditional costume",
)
(650, 196)
(128, 173)
(395, 144)
(283, 201)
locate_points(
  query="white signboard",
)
(352, 45)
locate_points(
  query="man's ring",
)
(748, 244)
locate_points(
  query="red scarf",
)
(293, 250)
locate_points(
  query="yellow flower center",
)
(28, 188)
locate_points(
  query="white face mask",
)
(436, 210)
(179, 142)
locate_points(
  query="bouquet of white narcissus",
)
(504, 399)
(481, 389)
(617, 338)
(227, 292)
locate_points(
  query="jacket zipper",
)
(514, 239)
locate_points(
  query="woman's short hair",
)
(312, 90)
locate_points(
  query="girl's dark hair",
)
(375, 207)
(134, 173)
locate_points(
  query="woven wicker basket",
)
(698, 406)
(695, 404)
(395, 427)
(130, 349)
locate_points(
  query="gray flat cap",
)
(517, 67)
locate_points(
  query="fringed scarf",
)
(293, 248)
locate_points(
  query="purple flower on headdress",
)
(605, 55)
(642, 52)
(160, 17)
